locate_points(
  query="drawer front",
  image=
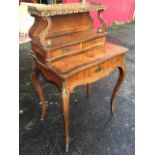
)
(71, 48)
(59, 52)
(93, 42)
(96, 72)
(103, 69)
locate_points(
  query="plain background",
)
(145, 77)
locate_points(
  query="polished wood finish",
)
(69, 53)
(122, 72)
(35, 80)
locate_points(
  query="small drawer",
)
(65, 50)
(93, 42)
(102, 69)
(90, 74)
(71, 48)
(96, 72)
(60, 52)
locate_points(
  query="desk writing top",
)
(43, 10)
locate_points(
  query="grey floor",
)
(92, 129)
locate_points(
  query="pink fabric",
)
(117, 10)
(71, 1)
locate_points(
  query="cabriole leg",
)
(35, 80)
(65, 103)
(122, 74)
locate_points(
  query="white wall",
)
(25, 20)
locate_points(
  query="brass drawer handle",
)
(98, 69)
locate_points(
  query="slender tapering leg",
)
(65, 102)
(88, 87)
(122, 71)
(35, 80)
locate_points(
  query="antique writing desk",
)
(69, 52)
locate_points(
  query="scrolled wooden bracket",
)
(43, 34)
(103, 24)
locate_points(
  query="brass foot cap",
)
(42, 119)
(67, 148)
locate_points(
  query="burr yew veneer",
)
(69, 52)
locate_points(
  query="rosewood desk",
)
(68, 52)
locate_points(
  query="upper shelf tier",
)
(44, 10)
